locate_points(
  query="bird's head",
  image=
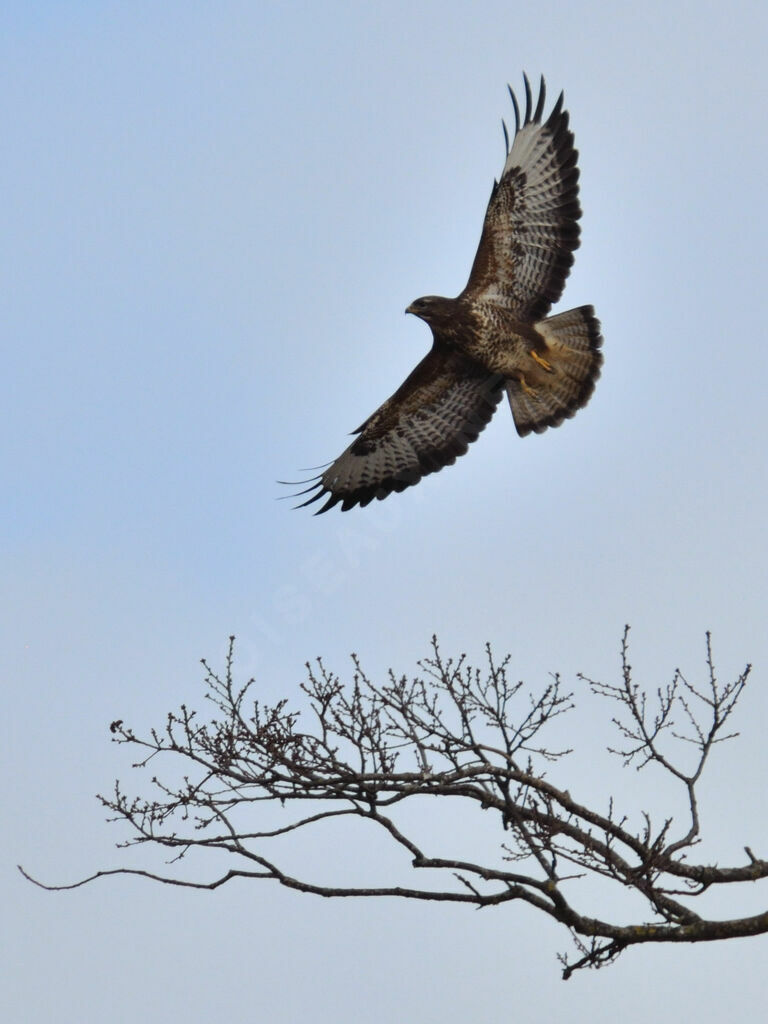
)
(433, 309)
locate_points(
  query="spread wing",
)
(429, 421)
(531, 225)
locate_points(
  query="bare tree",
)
(452, 731)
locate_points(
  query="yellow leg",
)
(531, 392)
(541, 361)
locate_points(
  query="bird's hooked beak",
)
(410, 309)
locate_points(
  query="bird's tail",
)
(562, 374)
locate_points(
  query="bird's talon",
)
(541, 361)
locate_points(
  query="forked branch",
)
(360, 751)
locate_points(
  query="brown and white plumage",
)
(494, 335)
(531, 225)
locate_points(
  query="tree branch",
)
(452, 731)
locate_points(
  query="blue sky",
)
(213, 218)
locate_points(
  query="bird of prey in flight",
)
(496, 336)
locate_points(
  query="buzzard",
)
(495, 336)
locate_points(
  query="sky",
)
(213, 218)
